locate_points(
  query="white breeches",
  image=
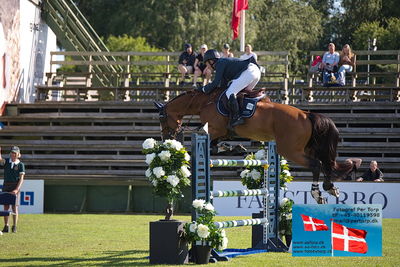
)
(248, 79)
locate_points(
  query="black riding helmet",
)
(211, 54)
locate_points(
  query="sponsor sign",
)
(31, 196)
(337, 230)
(351, 193)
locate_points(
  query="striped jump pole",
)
(237, 163)
(237, 223)
(239, 193)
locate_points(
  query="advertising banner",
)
(31, 196)
(385, 194)
(337, 230)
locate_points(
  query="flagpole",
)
(332, 237)
(242, 29)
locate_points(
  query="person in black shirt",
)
(372, 174)
(200, 68)
(241, 74)
(186, 62)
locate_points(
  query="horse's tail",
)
(323, 144)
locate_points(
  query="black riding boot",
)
(236, 119)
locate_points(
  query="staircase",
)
(76, 34)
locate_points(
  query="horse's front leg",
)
(330, 188)
(315, 166)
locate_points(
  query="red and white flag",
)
(313, 224)
(348, 239)
(238, 5)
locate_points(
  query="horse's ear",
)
(158, 105)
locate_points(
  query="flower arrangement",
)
(253, 176)
(203, 229)
(285, 216)
(168, 169)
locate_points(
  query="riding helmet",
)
(211, 54)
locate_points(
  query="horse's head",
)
(170, 127)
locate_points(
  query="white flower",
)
(288, 216)
(149, 143)
(173, 144)
(173, 180)
(185, 171)
(164, 155)
(283, 201)
(260, 154)
(255, 174)
(158, 172)
(286, 172)
(282, 232)
(148, 173)
(203, 231)
(198, 203)
(150, 157)
(223, 233)
(193, 227)
(187, 156)
(209, 207)
(154, 182)
(283, 162)
(244, 173)
(224, 244)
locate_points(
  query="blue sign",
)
(337, 230)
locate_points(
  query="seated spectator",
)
(329, 65)
(248, 53)
(346, 63)
(226, 51)
(356, 162)
(200, 68)
(372, 174)
(186, 62)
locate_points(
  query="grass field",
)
(123, 240)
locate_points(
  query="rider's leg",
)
(248, 79)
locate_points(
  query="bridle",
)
(163, 116)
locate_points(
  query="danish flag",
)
(349, 239)
(312, 224)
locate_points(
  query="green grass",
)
(123, 240)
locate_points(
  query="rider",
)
(241, 73)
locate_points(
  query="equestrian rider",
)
(241, 74)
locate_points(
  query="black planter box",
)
(165, 244)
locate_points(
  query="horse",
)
(306, 138)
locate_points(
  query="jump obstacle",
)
(201, 189)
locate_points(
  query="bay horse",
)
(306, 138)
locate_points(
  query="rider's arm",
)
(217, 80)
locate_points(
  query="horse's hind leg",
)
(315, 166)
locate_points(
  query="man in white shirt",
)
(329, 64)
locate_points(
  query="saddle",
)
(247, 102)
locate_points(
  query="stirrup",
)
(237, 122)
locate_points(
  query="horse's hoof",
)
(334, 191)
(322, 200)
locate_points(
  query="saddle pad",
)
(247, 108)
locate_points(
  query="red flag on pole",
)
(238, 5)
(313, 224)
(349, 239)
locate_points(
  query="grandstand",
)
(85, 129)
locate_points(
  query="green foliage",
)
(168, 167)
(367, 30)
(204, 229)
(285, 216)
(253, 176)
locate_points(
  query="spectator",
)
(356, 162)
(329, 65)
(248, 53)
(346, 63)
(241, 74)
(200, 68)
(372, 174)
(226, 51)
(186, 62)
(14, 172)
